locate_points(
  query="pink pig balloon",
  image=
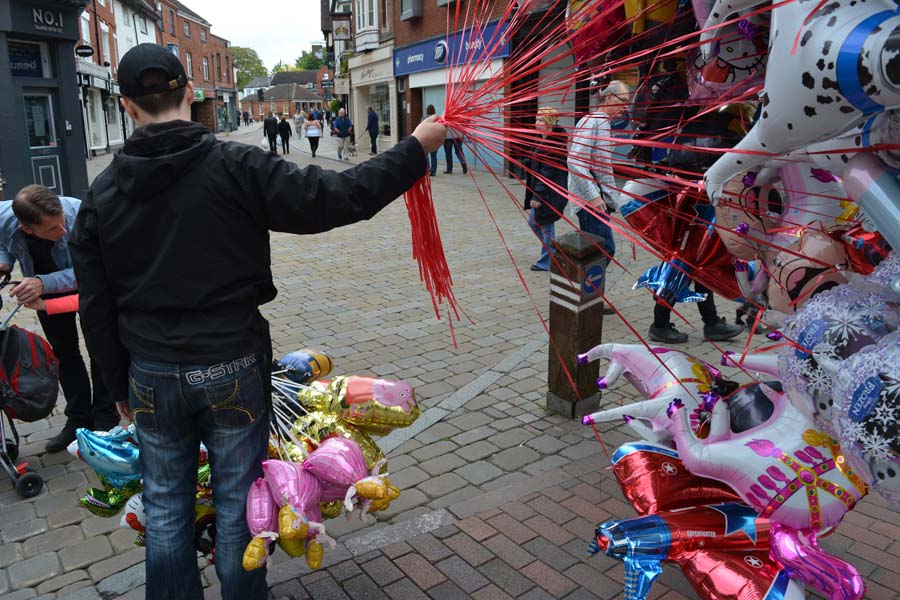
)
(337, 462)
(262, 511)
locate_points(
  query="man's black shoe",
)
(465, 169)
(448, 172)
(667, 335)
(537, 268)
(721, 331)
(62, 439)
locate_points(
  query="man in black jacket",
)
(171, 251)
(270, 128)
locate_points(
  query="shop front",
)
(373, 84)
(40, 107)
(423, 69)
(103, 121)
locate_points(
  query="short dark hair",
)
(34, 202)
(154, 104)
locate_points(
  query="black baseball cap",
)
(149, 57)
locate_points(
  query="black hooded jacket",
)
(171, 245)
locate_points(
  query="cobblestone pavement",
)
(499, 498)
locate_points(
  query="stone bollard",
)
(576, 323)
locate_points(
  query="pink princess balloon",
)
(337, 462)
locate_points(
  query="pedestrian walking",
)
(270, 130)
(342, 128)
(372, 130)
(299, 122)
(246, 119)
(453, 143)
(34, 229)
(171, 249)
(313, 133)
(432, 156)
(284, 132)
(547, 172)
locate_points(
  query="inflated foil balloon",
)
(867, 414)
(303, 366)
(817, 263)
(374, 406)
(261, 508)
(111, 456)
(316, 426)
(660, 375)
(337, 462)
(133, 517)
(810, 96)
(832, 326)
(729, 559)
(736, 65)
(784, 468)
(108, 501)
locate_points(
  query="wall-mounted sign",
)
(44, 21)
(462, 47)
(199, 95)
(84, 51)
(25, 59)
(340, 28)
(47, 20)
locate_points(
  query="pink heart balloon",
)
(261, 509)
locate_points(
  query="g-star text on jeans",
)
(220, 370)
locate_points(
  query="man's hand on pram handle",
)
(124, 409)
(28, 290)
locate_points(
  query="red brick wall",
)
(104, 14)
(166, 36)
(433, 22)
(204, 112)
(226, 78)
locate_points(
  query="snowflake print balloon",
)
(866, 408)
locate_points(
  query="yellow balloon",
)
(316, 426)
(331, 510)
(314, 554)
(255, 554)
(291, 526)
(293, 548)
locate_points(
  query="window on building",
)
(190, 65)
(86, 28)
(202, 35)
(410, 9)
(218, 66)
(386, 18)
(227, 70)
(142, 20)
(365, 14)
(205, 68)
(187, 29)
(105, 56)
(171, 21)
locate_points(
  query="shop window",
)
(29, 59)
(114, 122)
(39, 121)
(96, 120)
(187, 29)
(190, 65)
(380, 99)
(205, 68)
(411, 9)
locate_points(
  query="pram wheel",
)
(12, 450)
(29, 485)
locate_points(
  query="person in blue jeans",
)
(545, 183)
(171, 252)
(432, 156)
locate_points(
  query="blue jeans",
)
(591, 224)
(175, 407)
(545, 233)
(433, 159)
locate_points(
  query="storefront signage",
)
(461, 47)
(25, 59)
(199, 95)
(51, 21)
(84, 51)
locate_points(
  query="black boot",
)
(62, 439)
(667, 335)
(721, 331)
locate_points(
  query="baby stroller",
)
(29, 386)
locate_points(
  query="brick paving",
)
(499, 498)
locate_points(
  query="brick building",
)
(96, 77)
(286, 98)
(315, 81)
(207, 62)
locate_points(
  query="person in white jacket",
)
(590, 162)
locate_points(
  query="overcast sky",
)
(276, 29)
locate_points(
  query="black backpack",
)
(29, 375)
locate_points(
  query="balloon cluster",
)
(733, 483)
(324, 460)
(115, 457)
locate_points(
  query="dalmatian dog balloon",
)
(830, 69)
